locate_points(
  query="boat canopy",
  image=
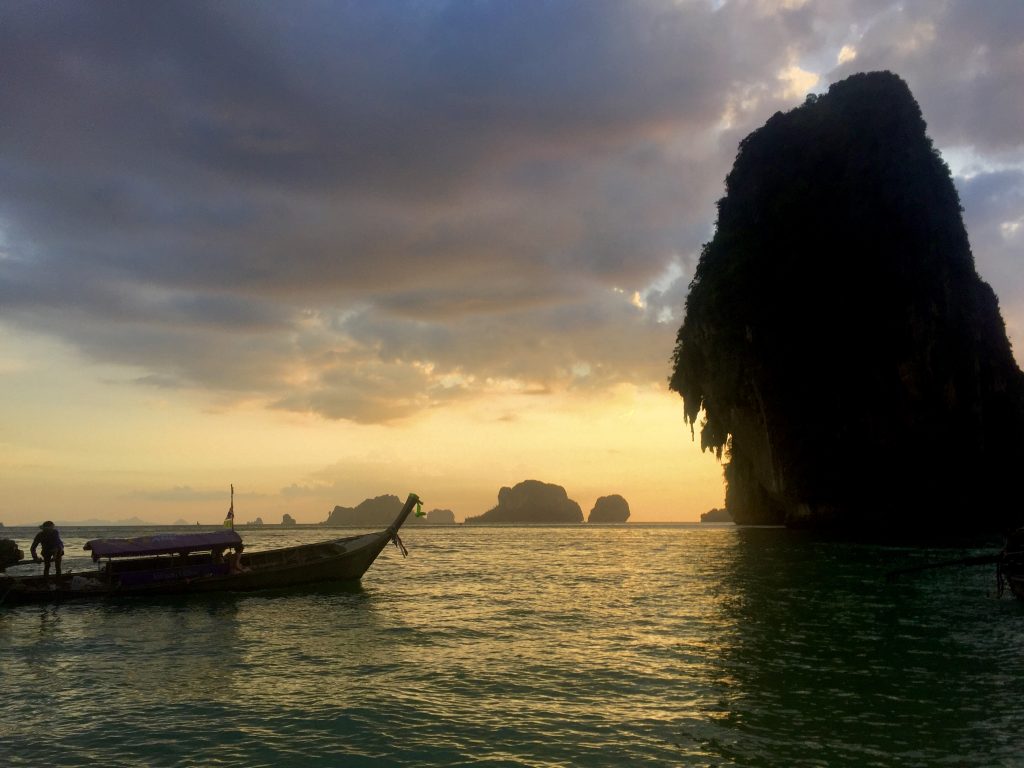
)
(162, 544)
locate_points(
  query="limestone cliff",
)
(532, 501)
(851, 365)
(609, 509)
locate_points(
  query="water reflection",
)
(832, 665)
(334, 631)
(639, 646)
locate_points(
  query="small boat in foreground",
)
(1009, 564)
(185, 563)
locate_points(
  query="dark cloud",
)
(962, 60)
(369, 209)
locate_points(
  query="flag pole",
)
(229, 521)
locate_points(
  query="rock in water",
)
(439, 517)
(850, 361)
(609, 509)
(532, 501)
(716, 515)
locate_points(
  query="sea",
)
(586, 645)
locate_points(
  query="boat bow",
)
(411, 502)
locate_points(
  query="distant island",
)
(381, 511)
(94, 522)
(531, 501)
(609, 509)
(437, 517)
(378, 511)
(716, 515)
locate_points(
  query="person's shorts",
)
(49, 555)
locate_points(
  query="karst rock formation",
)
(851, 366)
(532, 501)
(609, 509)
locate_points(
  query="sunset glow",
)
(442, 250)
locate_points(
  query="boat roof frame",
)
(163, 544)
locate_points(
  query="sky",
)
(326, 251)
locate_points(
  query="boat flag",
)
(229, 521)
(419, 509)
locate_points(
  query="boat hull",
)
(173, 567)
(337, 560)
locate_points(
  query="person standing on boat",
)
(53, 548)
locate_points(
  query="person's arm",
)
(35, 543)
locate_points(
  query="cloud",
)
(963, 63)
(797, 82)
(367, 210)
(993, 205)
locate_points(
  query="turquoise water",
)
(535, 646)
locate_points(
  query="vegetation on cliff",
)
(849, 362)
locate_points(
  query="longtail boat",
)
(187, 563)
(1009, 564)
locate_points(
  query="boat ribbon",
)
(397, 541)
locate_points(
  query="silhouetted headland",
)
(851, 364)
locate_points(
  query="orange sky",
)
(85, 446)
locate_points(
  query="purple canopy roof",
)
(161, 544)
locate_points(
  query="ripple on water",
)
(538, 647)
